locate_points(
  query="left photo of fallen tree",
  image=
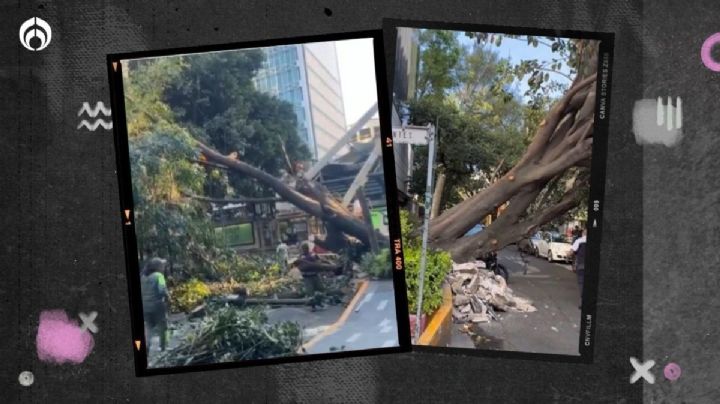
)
(259, 203)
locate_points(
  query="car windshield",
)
(559, 238)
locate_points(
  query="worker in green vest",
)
(155, 300)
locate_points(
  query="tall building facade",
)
(404, 87)
(307, 76)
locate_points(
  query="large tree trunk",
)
(511, 226)
(563, 140)
(309, 196)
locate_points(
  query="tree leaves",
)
(215, 97)
(228, 334)
(172, 101)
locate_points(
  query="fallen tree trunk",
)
(562, 141)
(309, 196)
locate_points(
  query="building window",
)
(363, 135)
(235, 235)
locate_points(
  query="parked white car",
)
(554, 247)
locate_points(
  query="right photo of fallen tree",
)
(510, 120)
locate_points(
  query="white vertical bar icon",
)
(678, 113)
(660, 112)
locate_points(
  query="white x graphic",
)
(88, 321)
(642, 371)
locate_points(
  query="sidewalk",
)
(553, 328)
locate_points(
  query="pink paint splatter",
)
(61, 340)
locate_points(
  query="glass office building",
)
(307, 76)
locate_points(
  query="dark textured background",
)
(62, 246)
(681, 199)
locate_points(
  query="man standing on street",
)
(282, 257)
(578, 248)
(155, 298)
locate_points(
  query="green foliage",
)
(484, 123)
(440, 52)
(479, 120)
(467, 145)
(439, 264)
(167, 223)
(378, 265)
(188, 295)
(144, 87)
(215, 98)
(544, 78)
(244, 267)
(172, 101)
(408, 228)
(228, 334)
(273, 283)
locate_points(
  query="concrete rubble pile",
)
(477, 292)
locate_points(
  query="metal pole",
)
(340, 143)
(426, 226)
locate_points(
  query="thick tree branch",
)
(570, 200)
(296, 198)
(310, 197)
(549, 124)
(226, 201)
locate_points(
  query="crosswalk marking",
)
(353, 337)
(382, 305)
(365, 300)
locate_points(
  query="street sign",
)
(411, 135)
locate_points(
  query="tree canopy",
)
(513, 130)
(214, 97)
(171, 104)
(479, 122)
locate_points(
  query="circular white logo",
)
(35, 29)
(26, 378)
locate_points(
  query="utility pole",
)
(426, 227)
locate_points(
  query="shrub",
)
(270, 285)
(408, 226)
(438, 265)
(228, 334)
(188, 295)
(378, 265)
(243, 267)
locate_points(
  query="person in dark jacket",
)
(579, 249)
(313, 284)
(155, 299)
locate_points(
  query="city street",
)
(368, 322)
(553, 328)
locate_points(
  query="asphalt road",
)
(371, 323)
(553, 328)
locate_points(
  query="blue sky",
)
(517, 50)
(357, 69)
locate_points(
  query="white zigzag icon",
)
(94, 112)
(94, 125)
